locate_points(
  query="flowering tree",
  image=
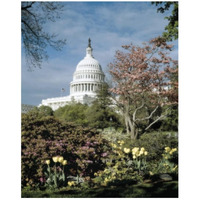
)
(144, 83)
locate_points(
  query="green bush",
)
(45, 137)
(155, 142)
(75, 112)
(171, 122)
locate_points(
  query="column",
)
(92, 87)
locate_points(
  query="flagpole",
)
(61, 92)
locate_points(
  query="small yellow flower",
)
(142, 149)
(167, 149)
(135, 150)
(172, 151)
(145, 153)
(64, 162)
(126, 150)
(47, 162)
(55, 159)
(71, 183)
(95, 174)
(134, 157)
(60, 159)
(141, 152)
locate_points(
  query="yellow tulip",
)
(47, 162)
(55, 159)
(135, 150)
(142, 149)
(126, 150)
(64, 162)
(141, 152)
(60, 159)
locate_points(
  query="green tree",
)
(35, 40)
(171, 30)
(40, 112)
(45, 111)
(74, 112)
(101, 114)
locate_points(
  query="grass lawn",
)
(157, 189)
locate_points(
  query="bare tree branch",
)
(28, 6)
(159, 118)
(149, 115)
(34, 38)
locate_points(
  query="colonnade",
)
(84, 87)
(90, 76)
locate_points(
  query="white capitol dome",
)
(88, 76)
(87, 79)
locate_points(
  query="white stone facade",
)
(87, 79)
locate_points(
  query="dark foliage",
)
(45, 137)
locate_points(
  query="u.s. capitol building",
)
(87, 79)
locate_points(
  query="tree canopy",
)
(143, 80)
(35, 39)
(171, 30)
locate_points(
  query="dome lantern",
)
(89, 49)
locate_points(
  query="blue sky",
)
(108, 24)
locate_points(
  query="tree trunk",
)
(130, 127)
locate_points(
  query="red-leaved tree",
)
(145, 83)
